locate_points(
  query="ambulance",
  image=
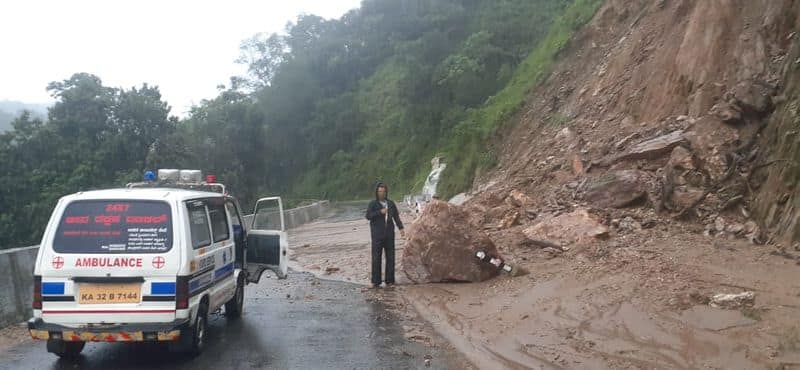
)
(150, 262)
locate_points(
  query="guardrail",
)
(16, 284)
(16, 279)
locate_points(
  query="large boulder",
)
(711, 140)
(655, 147)
(617, 189)
(684, 183)
(570, 228)
(442, 245)
(754, 96)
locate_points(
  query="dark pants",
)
(378, 246)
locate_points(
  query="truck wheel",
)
(235, 306)
(65, 349)
(199, 331)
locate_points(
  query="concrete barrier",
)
(291, 217)
(16, 281)
(16, 284)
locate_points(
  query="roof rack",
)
(180, 179)
(213, 187)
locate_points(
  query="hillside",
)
(11, 109)
(715, 86)
(332, 106)
(653, 169)
(327, 108)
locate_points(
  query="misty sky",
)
(186, 48)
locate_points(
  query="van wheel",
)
(199, 331)
(65, 349)
(235, 306)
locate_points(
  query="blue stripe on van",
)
(223, 271)
(201, 282)
(162, 288)
(52, 288)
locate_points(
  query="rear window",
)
(219, 222)
(115, 226)
(198, 225)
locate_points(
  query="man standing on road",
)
(382, 215)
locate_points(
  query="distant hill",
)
(10, 109)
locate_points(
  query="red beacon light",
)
(211, 179)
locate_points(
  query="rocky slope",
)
(654, 169)
(669, 110)
(648, 179)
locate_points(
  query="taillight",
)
(37, 292)
(182, 293)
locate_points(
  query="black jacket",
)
(382, 227)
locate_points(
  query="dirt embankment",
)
(669, 126)
(661, 158)
(699, 97)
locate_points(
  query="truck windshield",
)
(115, 226)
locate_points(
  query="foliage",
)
(474, 132)
(326, 109)
(95, 136)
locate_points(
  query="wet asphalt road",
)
(299, 323)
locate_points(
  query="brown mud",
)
(640, 304)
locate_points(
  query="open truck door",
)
(267, 242)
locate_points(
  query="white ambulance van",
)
(147, 264)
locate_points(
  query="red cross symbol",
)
(58, 262)
(158, 262)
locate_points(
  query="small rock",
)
(734, 228)
(733, 301)
(510, 219)
(331, 269)
(459, 199)
(427, 362)
(517, 198)
(750, 226)
(565, 134)
(624, 142)
(719, 224)
(577, 165)
(628, 224)
(682, 118)
(728, 113)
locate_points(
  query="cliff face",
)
(688, 108)
(777, 203)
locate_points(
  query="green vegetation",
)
(468, 151)
(327, 108)
(13, 109)
(95, 136)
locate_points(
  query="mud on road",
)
(637, 302)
